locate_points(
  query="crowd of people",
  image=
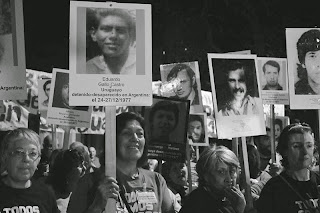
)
(74, 183)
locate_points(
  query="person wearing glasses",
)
(218, 170)
(20, 155)
(294, 189)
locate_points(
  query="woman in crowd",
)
(20, 155)
(217, 170)
(132, 182)
(176, 176)
(65, 171)
(294, 189)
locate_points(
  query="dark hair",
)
(45, 84)
(278, 121)
(62, 79)
(254, 161)
(309, 41)
(296, 128)
(121, 121)
(178, 68)
(64, 162)
(95, 15)
(196, 118)
(165, 106)
(271, 63)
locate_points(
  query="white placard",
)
(197, 129)
(236, 95)
(110, 54)
(182, 81)
(12, 51)
(273, 80)
(303, 52)
(59, 110)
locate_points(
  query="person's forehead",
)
(195, 123)
(164, 112)
(183, 74)
(114, 20)
(238, 73)
(270, 68)
(133, 124)
(301, 137)
(22, 143)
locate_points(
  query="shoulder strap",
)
(297, 193)
(125, 200)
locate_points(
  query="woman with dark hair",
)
(217, 169)
(294, 189)
(65, 171)
(133, 183)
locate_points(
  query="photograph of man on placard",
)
(111, 41)
(197, 131)
(61, 93)
(271, 72)
(308, 67)
(237, 89)
(182, 81)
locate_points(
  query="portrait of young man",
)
(238, 92)
(308, 68)
(196, 128)
(111, 41)
(271, 70)
(46, 89)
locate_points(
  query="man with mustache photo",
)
(239, 98)
(111, 42)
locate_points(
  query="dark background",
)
(183, 30)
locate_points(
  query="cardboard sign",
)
(116, 68)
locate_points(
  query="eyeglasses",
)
(20, 154)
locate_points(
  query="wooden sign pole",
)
(66, 137)
(272, 138)
(235, 146)
(245, 169)
(110, 150)
(189, 163)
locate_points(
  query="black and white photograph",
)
(235, 87)
(111, 41)
(44, 86)
(167, 124)
(182, 81)
(274, 80)
(197, 129)
(12, 51)
(110, 50)
(303, 50)
(59, 109)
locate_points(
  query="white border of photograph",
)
(238, 125)
(12, 61)
(274, 96)
(307, 101)
(205, 129)
(167, 87)
(110, 89)
(65, 116)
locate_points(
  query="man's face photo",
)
(65, 94)
(237, 84)
(112, 36)
(271, 74)
(184, 85)
(312, 65)
(195, 130)
(47, 89)
(163, 123)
